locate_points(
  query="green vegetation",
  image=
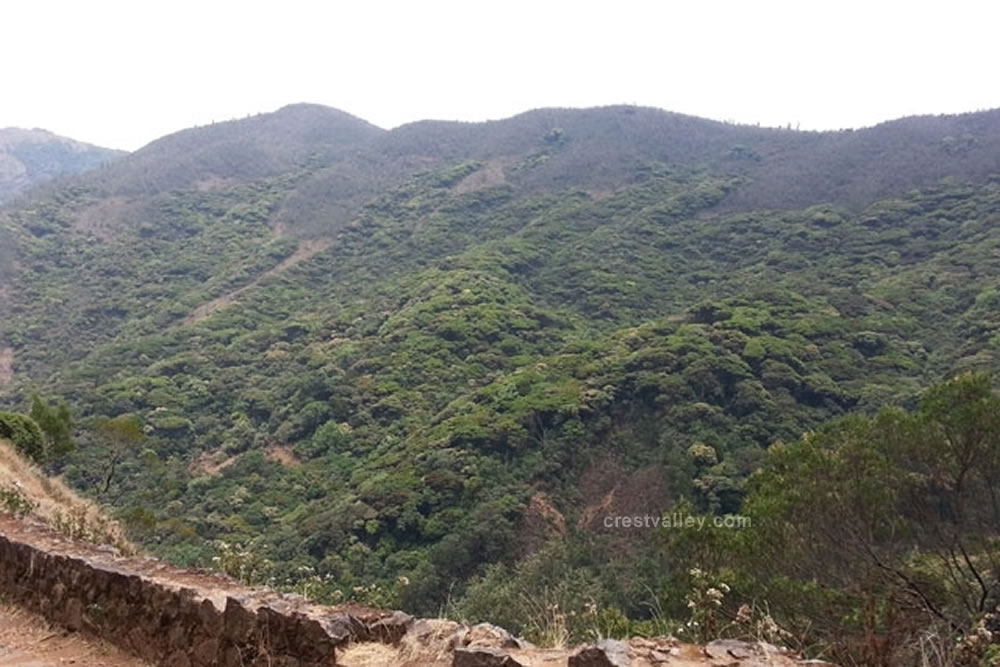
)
(25, 433)
(423, 370)
(874, 533)
(44, 434)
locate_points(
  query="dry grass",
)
(369, 655)
(430, 648)
(55, 504)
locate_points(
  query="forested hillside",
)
(414, 366)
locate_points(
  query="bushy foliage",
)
(25, 433)
(875, 532)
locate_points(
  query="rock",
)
(74, 615)
(177, 636)
(606, 653)
(483, 656)
(210, 618)
(343, 628)
(655, 650)
(424, 630)
(141, 644)
(232, 657)
(238, 621)
(489, 635)
(771, 649)
(447, 635)
(312, 637)
(390, 630)
(730, 648)
(205, 652)
(177, 659)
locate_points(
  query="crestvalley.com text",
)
(675, 520)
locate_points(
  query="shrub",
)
(25, 433)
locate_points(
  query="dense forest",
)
(424, 367)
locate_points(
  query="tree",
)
(56, 425)
(120, 434)
(875, 530)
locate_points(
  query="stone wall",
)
(175, 617)
(190, 618)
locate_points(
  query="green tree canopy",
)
(56, 424)
(885, 526)
(25, 433)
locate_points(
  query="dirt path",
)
(305, 250)
(27, 640)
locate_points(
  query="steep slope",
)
(32, 157)
(414, 353)
(26, 491)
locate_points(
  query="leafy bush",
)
(25, 433)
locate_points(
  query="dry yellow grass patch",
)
(369, 655)
(56, 505)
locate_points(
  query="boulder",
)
(390, 630)
(483, 656)
(606, 653)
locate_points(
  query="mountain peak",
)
(248, 148)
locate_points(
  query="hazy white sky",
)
(121, 73)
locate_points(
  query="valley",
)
(418, 368)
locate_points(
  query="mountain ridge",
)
(30, 157)
(435, 354)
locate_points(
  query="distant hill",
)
(32, 157)
(433, 353)
(294, 137)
